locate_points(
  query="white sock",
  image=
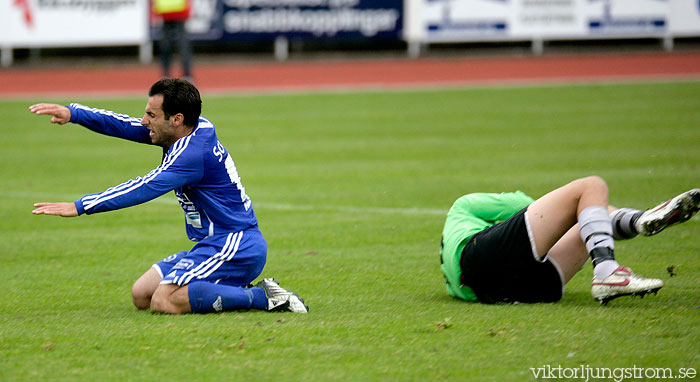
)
(595, 226)
(605, 269)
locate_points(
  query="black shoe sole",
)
(641, 294)
(683, 212)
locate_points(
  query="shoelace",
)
(276, 290)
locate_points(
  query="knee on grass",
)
(163, 305)
(140, 298)
(170, 300)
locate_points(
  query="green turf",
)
(350, 190)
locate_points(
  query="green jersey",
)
(470, 214)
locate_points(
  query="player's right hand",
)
(60, 114)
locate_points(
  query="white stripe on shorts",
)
(532, 241)
(209, 260)
(180, 280)
(227, 258)
(213, 263)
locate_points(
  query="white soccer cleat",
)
(623, 282)
(674, 211)
(280, 299)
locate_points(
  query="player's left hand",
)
(59, 114)
(66, 210)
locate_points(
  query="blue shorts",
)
(235, 259)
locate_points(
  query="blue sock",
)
(206, 297)
(259, 298)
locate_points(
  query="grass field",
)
(351, 190)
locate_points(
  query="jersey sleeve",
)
(470, 214)
(182, 165)
(492, 207)
(109, 123)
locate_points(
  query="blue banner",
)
(232, 20)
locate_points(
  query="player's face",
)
(162, 131)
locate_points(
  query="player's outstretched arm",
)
(98, 120)
(60, 114)
(66, 210)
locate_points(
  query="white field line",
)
(46, 197)
(51, 197)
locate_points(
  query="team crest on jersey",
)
(184, 264)
(184, 201)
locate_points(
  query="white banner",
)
(685, 17)
(503, 20)
(457, 20)
(65, 23)
(628, 17)
(546, 18)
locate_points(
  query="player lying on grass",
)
(506, 248)
(230, 252)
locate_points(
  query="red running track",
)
(236, 77)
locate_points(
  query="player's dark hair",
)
(179, 96)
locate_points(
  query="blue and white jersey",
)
(197, 167)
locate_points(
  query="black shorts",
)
(498, 264)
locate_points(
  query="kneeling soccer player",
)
(507, 248)
(231, 251)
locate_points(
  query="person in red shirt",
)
(174, 14)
